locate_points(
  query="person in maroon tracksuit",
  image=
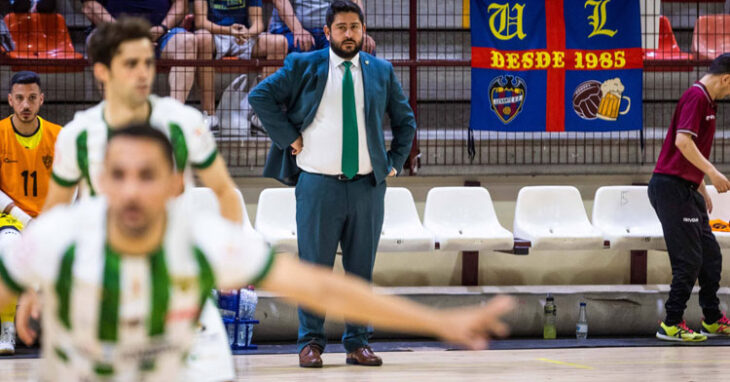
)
(678, 194)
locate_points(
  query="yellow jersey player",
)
(26, 159)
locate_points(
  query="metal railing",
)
(432, 59)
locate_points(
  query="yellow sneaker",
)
(7, 339)
(679, 332)
(9, 221)
(720, 328)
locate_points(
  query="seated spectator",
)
(302, 23)
(232, 28)
(172, 42)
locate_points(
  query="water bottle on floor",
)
(228, 305)
(548, 329)
(246, 311)
(581, 328)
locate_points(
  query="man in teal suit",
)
(323, 110)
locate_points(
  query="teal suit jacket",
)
(287, 102)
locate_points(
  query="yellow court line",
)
(667, 362)
(575, 365)
(465, 22)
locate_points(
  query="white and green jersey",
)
(117, 317)
(81, 144)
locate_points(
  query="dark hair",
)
(721, 64)
(105, 41)
(343, 6)
(25, 77)
(144, 131)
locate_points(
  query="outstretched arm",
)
(321, 290)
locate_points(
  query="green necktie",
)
(349, 124)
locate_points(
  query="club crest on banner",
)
(507, 96)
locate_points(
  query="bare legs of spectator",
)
(181, 47)
(270, 47)
(206, 79)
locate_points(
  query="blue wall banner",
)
(556, 65)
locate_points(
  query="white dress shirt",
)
(322, 140)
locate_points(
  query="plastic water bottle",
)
(581, 328)
(228, 307)
(246, 311)
(548, 329)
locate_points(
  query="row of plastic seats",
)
(553, 217)
(276, 221)
(710, 39)
(45, 36)
(623, 218)
(667, 49)
(458, 218)
(40, 36)
(463, 219)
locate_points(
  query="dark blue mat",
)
(508, 344)
(416, 345)
(21, 351)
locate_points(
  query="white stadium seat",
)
(204, 198)
(276, 218)
(627, 219)
(720, 210)
(463, 219)
(402, 230)
(554, 218)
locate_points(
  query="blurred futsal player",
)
(26, 149)
(123, 59)
(125, 283)
(678, 194)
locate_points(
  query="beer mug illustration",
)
(609, 108)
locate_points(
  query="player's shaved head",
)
(139, 178)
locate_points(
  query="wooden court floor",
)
(682, 363)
